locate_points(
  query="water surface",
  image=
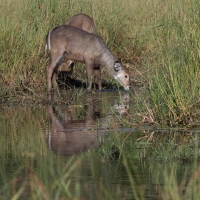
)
(83, 146)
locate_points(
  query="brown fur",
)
(83, 22)
(71, 43)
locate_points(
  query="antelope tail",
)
(48, 43)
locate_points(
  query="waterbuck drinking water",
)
(71, 43)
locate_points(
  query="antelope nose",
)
(127, 87)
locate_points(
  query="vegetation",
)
(158, 38)
(125, 164)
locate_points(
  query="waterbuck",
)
(83, 22)
(71, 43)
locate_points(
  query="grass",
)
(159, 39)
(175, 88)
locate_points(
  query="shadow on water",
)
(84, 146)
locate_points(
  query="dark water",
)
(84, 146)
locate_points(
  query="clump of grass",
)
(174, 89)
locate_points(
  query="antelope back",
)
(82, 21)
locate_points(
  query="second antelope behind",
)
(71, 43)
(83, 22)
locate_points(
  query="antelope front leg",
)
(90, 74)
(49, 78)
(97, 73)
(54, 81)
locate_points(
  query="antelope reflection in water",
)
(71, 134)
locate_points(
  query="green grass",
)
(160, 39)
(174, 89)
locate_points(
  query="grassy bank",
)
(160, 39)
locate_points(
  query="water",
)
(88, 149)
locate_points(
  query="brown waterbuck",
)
(83, 22)
(70, 43)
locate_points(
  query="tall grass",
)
(159, 39)
(174, 88)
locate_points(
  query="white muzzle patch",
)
(118, 77)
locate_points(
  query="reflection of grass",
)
(30, 170)
(187, 189)
(170, 159)
(162, 146)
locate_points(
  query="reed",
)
(174, 89)
(158, 38)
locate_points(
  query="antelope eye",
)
(126, 76)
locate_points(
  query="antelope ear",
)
(117, 66)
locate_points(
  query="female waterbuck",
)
(83, 22)
(70, 43)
